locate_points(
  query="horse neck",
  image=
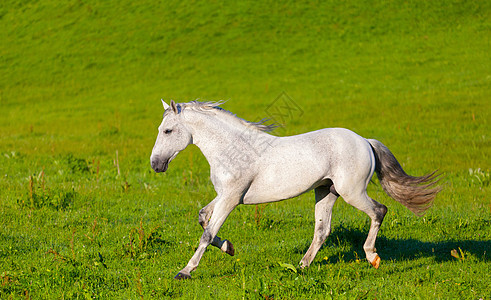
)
(218, 136)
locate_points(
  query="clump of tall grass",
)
(479, 177)
(38, 195)
(140, 242)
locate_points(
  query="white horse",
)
(250, 166)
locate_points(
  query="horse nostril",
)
(158, 165)
(154, 162)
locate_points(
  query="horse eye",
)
(167, 131)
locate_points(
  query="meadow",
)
(83, 215)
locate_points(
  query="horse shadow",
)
(399, 249)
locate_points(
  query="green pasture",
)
(83, 216)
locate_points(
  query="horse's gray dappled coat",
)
(250, 166)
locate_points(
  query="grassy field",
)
(82, 215)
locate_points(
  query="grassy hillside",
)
(83, 215)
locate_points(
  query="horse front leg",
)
(205, 214)
(203, 219)
(220, 213)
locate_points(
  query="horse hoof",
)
(181, 276)
(230, 249)
(376, 262)
(303, 265)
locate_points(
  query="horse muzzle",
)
(159, 165)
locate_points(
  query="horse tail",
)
(416, 193)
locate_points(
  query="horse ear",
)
(166, 106)
(173, 105)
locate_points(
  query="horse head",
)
(172, 138)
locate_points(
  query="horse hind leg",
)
(203, 219)
(323, 210)
(376, 211)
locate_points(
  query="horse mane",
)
(211, 106)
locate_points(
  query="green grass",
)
(81, 81)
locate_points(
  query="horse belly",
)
(284, 181)
(301, 163)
